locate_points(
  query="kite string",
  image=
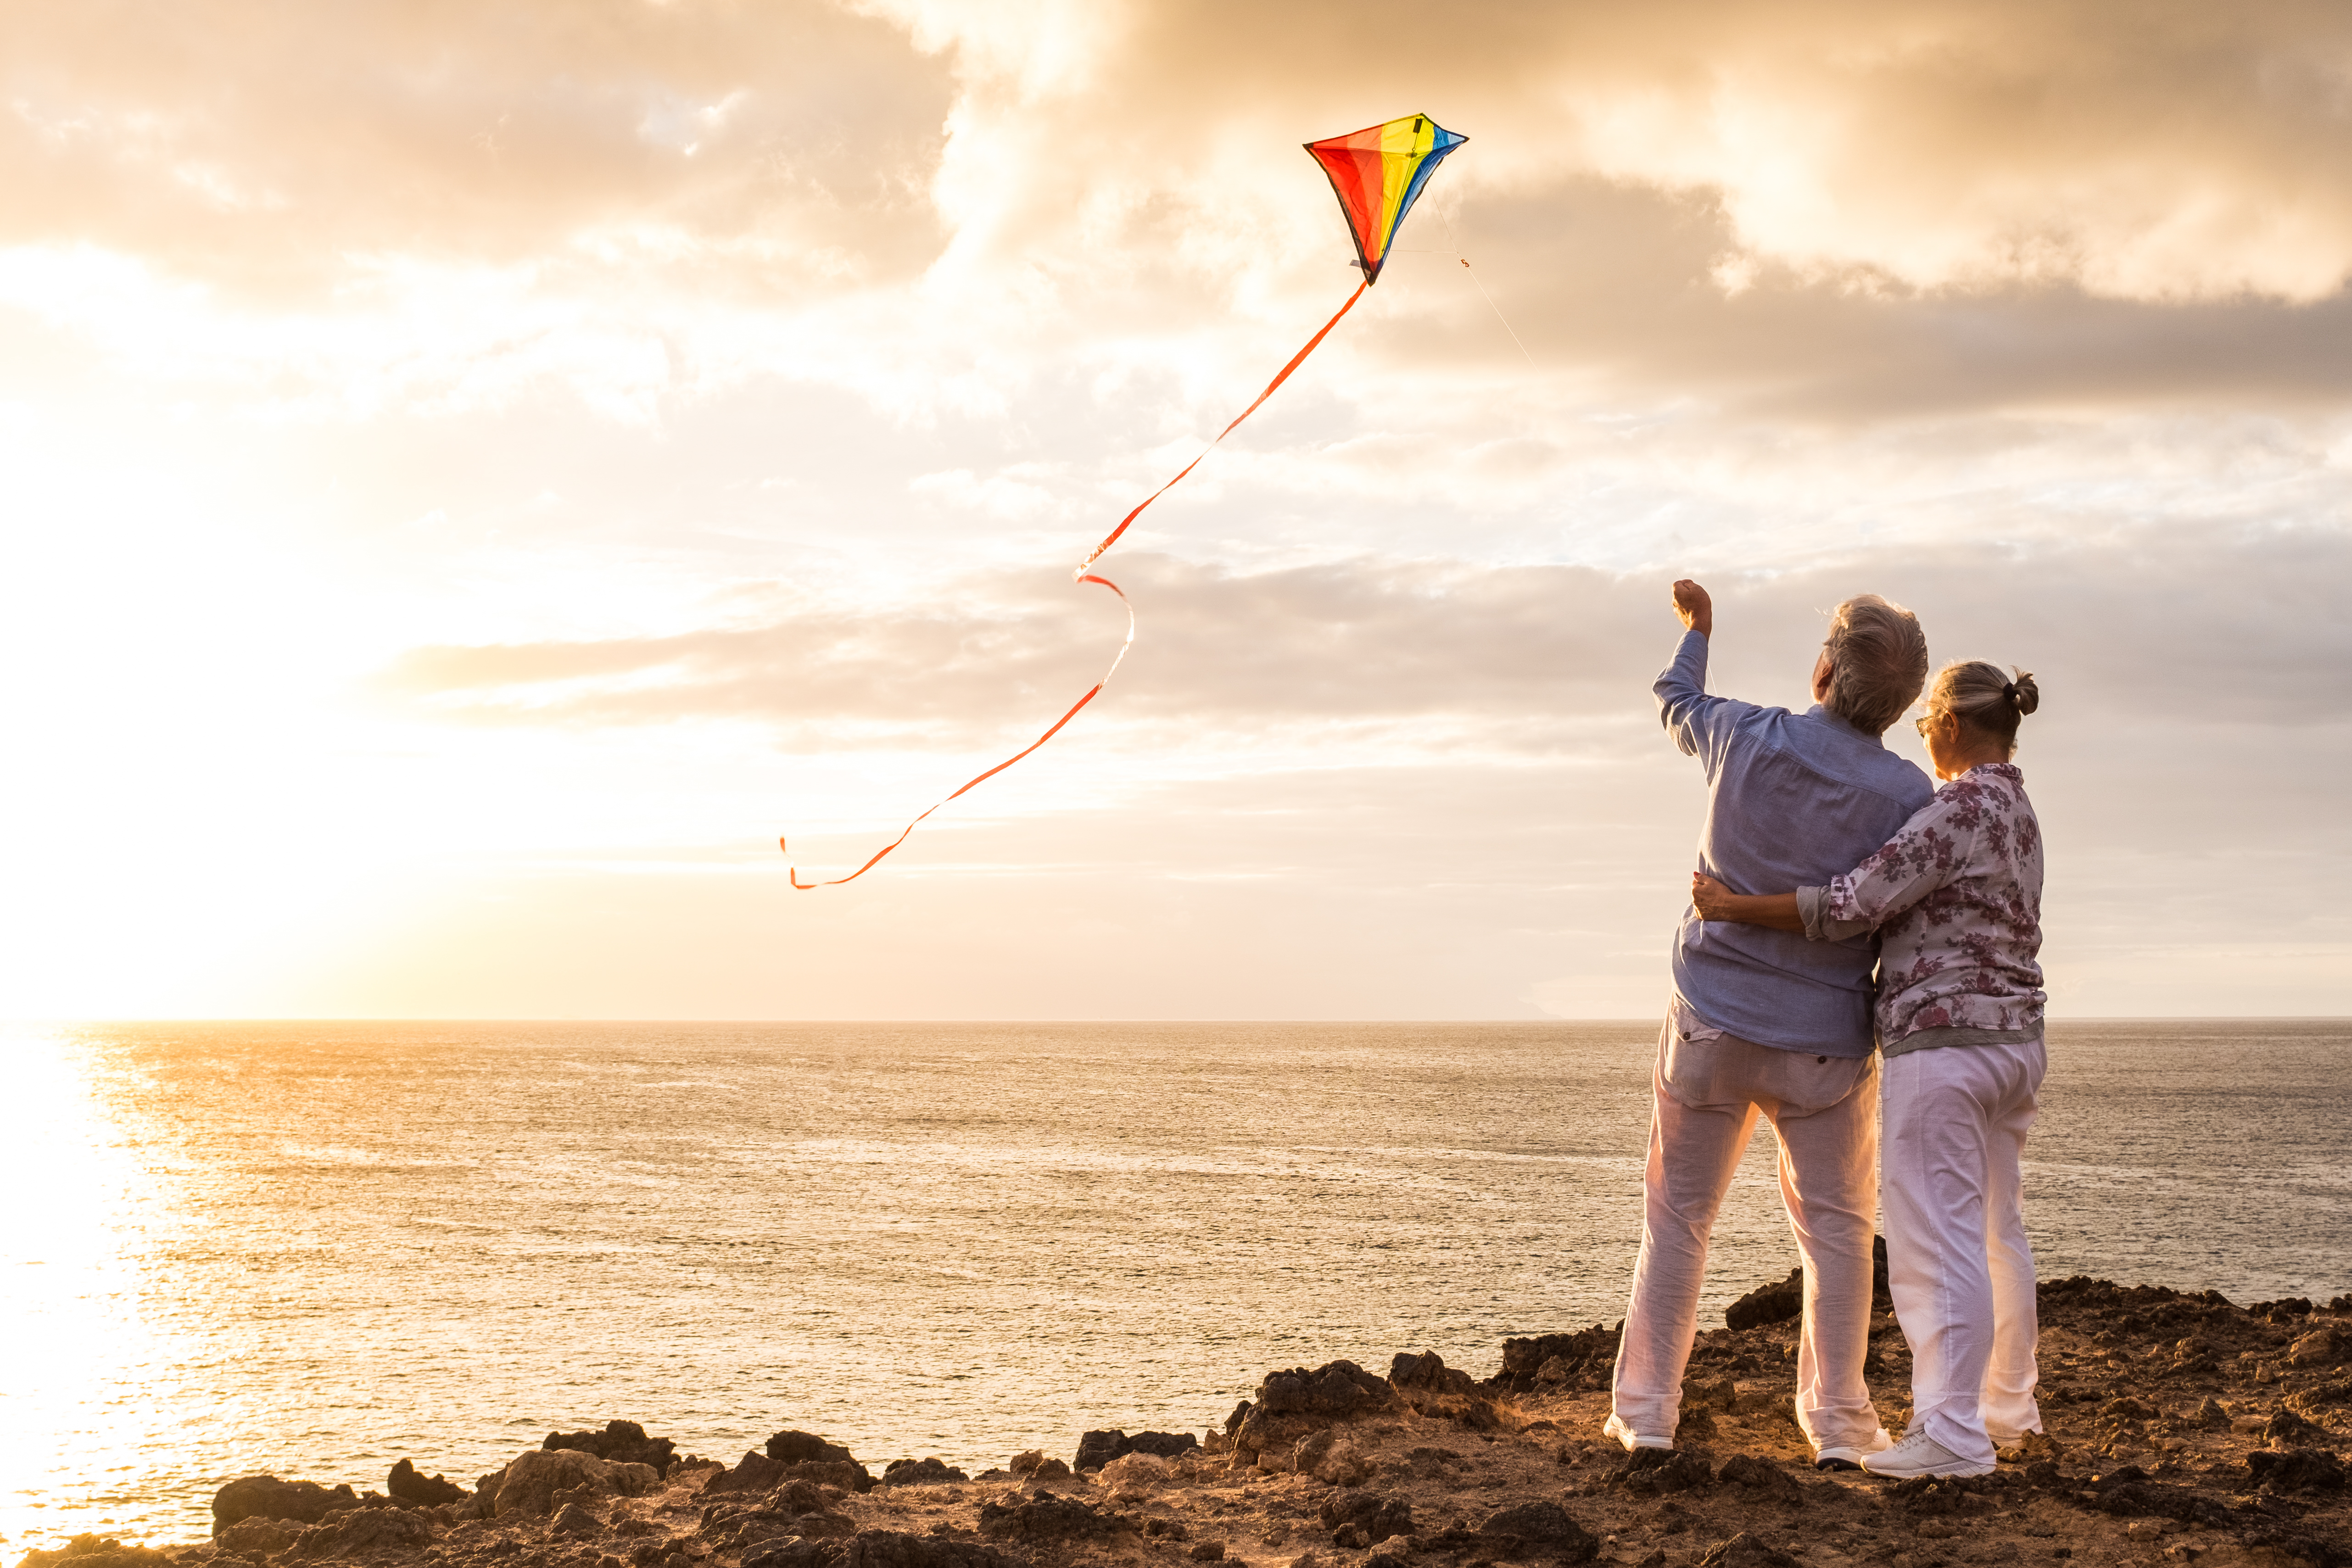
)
(1083, 576)
(1482, 289)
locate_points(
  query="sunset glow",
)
(477, 479)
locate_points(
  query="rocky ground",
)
(2181, 1428)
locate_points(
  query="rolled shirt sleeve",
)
(1812, 906)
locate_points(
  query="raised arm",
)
(1716, 902)
(1697, 722)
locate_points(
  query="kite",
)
(1377, 173)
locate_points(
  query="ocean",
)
(313, 1248)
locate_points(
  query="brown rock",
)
(1539, 1530)
(96, 1552)
(267, 1496)
(1762, 1476)
(880, 1549)
(254, 1537)
(2295, 1470)
(415, 1491)
(1568, 1362)
(1047, 1518)
(1742, 1551)
(530, 1480)
(355, 1531)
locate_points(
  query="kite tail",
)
(1082, 575)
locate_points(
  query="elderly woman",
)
(1956, 901)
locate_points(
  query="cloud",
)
(2197, 626)
(1818, 207)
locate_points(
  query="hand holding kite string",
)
(1378, 175)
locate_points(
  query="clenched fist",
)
(1693, 605)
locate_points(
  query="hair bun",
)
(2023, 693)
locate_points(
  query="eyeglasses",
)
(1925, 719)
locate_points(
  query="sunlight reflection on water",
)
(316, 1248)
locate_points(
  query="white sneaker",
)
(1920, 1455)
(1849, 1456)
(1631, 1439)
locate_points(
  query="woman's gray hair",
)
(1880, 659)
(1985, 700)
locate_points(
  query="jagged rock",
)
(755, 1473)
(825, 1526)
(255, 1538)
(1710, 1394)
(881, 1549)
(758, 1472)
(1045, 1518)
(1433, 1389)
(1155, 1528)
(2295, 1470)
(1337, 1388)
(1661, 1472)
(2210, 1415)
(1539, 1530)
(2309, 1401)
(1330, 1458)
(1744, 1551)
(2125, 1409)
(1208, 1551)
(800, 1447)
(2036, 1447)
(1570, 1362)
(1925, 1497)
(1033, 1464)
(728, 1527)
(624, 1442)
(1289, 1404)
(1428, 1371)
(267, 1496)
(1135, 1473)
(1763, 1476)
(411, 1489)
(1097, 1450)
(2283, 1311)
(1375, 1515)
(363, 1529)
(1774, 1303)
(2286, 1426)
(572, 1519)
(920, 1472)
(96, 1552)
(847, 1474)
(529, 1482)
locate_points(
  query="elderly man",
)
(1763, 1020)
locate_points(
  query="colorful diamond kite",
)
(1377, 173)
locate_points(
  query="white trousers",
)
(1957, 1261)
(1706, 1093)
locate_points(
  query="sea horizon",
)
(312, 1247)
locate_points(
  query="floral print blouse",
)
(1955, 898)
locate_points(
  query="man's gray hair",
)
(1880, 662)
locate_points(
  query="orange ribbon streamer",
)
(1083, 575)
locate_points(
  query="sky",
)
(477, 475)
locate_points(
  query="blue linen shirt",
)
(1792, 800)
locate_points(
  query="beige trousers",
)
(1706, 1090)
